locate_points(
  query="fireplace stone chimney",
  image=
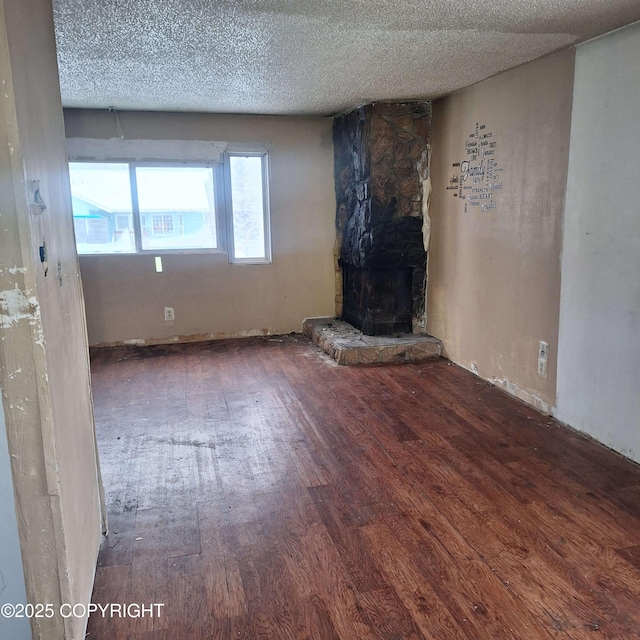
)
(381, 165)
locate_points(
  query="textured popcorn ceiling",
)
(305, 56)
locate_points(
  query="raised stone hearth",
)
(348, 345)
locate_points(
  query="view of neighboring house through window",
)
(124, 222)
(162, 224)
(137, 207)
(168, 194)
(102, 211)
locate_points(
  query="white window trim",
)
(123, 150)
(221, 238)
(266, 221)
(140, 153)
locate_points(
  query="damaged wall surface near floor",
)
(499, 166)
(125, 297)
(44, 366)
(599, 353)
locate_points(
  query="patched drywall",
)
(125, 297)
(44, 368)
(498, 170)
(599, 353)
(15, 306)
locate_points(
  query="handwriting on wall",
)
(477, 178)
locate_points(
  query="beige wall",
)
(125, 297)
(44, 372)
(494, 275)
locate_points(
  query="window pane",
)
(247, 207)
(101, 201)
(177, 207)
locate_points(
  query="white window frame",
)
(223, 202)
(266, 219)
(216, 168)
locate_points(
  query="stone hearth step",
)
(347, 345)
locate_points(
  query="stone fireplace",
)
(381, 178)
(377, 301)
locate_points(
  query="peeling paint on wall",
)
(426, 215)
(16, 306)
(43, 361)
(199, 337)
(420, 322)
(530, 398)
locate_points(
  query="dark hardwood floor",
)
(259, 492)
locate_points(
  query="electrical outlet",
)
(543, 353)
(543, 350)
(169, 314)
(542, 368)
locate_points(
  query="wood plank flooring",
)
(259, 492)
